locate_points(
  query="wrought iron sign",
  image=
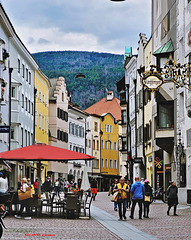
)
(178, 73)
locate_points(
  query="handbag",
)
(147, 198)
(25, 195)
(109, 193)
(114, 198)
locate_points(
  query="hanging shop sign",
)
(152, 80)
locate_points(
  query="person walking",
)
(113, 186)
(24, 203)
(122, 189)
(172, 196)
(47, 187)
(147, 198)
(94, 188)
(66, 185)
(35, 185)
(128, 195)
(138, 191)
(56, 187)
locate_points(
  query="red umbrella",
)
(40, 152)
(43, 152)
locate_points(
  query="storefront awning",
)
(166, 48)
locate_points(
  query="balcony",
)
(165, 138)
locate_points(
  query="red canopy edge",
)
(43, 152)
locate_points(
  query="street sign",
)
(138, 160)
(4, 129)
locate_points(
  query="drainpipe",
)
(10, 72)
(34, 114)
(144, 157)
(135, 83)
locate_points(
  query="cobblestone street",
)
(19, 229)
(159, 225)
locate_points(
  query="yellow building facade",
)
(109, 148)
(42, 86)
(148, 115)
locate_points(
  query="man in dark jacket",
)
(138, 191)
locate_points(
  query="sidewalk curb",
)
(120, 228)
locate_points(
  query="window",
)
(124, 116)
(26, 103)
(23, 67)
(58, 112)
(105, 127)
(43, 123)
(106, 163)
(89, 143)
(23, 100)
(166, 24)
(25, 137)
(13, 92)
(93, 144)
(115, 164)
(39, 120)
(124, 143)
(29, 109)
(58, 135)
(102, 144)
(108, 128)
(19, 65)
(27, 74)
(35, 118)
(115, 146)
(95, 163)
(95, 126)
(21, 137)
(110, 163)
(111, 129)
(40, 97)
(32, 109)
(70, 127)
(105, 144)
(110, 145)
(97, 144)
(29, 77)
(43, 98)
(62, 97)
(66, 116)
(12, 133)
(29, 142)
(77, 130)
(70, 147)
(102, 163)
(166, 115)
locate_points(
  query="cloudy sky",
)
(84, 25)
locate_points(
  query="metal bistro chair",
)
(72, 206)
(87, 206)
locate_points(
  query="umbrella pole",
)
(39, 178)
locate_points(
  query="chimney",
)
(109, 95)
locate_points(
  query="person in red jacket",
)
(35, 185)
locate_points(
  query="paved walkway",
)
(121, 228)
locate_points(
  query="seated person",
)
(3, 185)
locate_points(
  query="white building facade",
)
(77, 141)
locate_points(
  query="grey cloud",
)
(43, 41)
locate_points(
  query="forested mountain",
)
(102, 70)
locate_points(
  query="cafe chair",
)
(72, 206)
(88, 206)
